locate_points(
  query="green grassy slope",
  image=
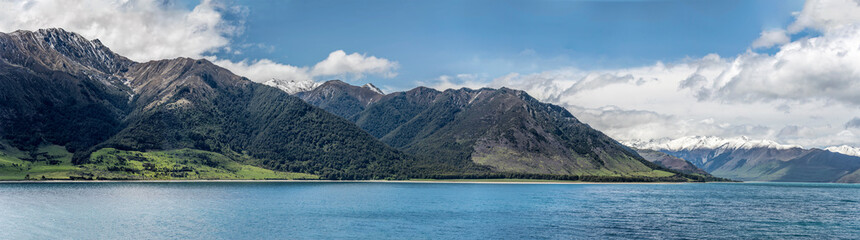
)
(54, 163)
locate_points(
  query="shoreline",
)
(467, 181)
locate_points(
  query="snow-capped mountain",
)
(373, 88)
(297, 86)
(845, 149)
(742, 158)
(293, 86)
(706, 142)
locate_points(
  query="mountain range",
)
(59, 88)
(745, 159)
(71, 107)
(502, 130)
(845, 149)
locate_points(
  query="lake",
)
(374, 210)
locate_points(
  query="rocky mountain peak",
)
(59, 49)
(708, 142)
(372, 88)
(292, 86)
(845, 149)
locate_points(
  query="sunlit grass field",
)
(53, 162)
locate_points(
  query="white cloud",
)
(771, 38)
(457, 81)
(853, 123)
(264, 69)
(802, 94)
(824, 67)
(826, 15)
(140, 30)
(338, 63)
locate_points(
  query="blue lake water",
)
(303, 210)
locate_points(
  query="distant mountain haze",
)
(759, 160)
(671, 162)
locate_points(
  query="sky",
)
(787, 71)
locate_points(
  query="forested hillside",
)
(61, 89)
(486, 130)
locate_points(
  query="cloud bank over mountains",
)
(338, 64)
(801, 94)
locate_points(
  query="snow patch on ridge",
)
(372, 88)
(706, 142)
(292, 86)
(845, 149)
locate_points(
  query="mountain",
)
(72, 108)
(758, 160)
(341, 98)
(372, 88)
(292, 86)
(710, 142)
(845, 149)
(671, 162)
(497, 130)
(58, 88)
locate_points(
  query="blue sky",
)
(493, 38)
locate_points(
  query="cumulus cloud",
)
(264, 69)
(771, 38)
(140, 30)
(792, 96)
(629, 124)
(338, 63)
(823, 67)
(826, 15)
(457, 81)
(546, 85)
(626, 124)
(818, 135)
(595, 81)
(790, 131)
(853, 123)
